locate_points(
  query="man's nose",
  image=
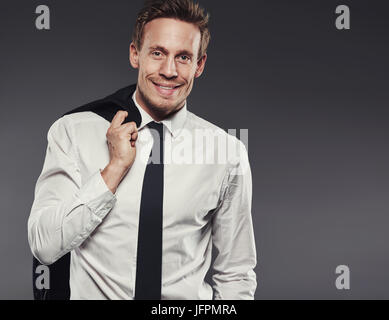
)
(168, 68)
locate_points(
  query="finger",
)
(129, 127)
(119, 118)
(134, 136)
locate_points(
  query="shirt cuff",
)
(96, 195)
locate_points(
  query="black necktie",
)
(149, 253)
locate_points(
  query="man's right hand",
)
(121, 140)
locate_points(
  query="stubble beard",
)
(160, 111)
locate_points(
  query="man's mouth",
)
(166, 89)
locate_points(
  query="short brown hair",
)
(184, 10)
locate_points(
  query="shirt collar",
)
(174, 122)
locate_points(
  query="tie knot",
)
(155, 125)
(158, 127)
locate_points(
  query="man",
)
(133, 217)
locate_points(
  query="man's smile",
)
(166, 89)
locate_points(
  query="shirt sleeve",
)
(233, 236)
(65, 211)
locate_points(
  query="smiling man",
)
(119, 212)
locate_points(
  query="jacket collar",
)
(110, 105)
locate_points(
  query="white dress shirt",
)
(204, 203)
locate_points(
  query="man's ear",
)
(134, 56)
(201, 65)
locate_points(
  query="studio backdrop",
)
(306, 79)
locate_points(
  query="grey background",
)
(315, 101)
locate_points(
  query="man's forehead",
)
(171, 34)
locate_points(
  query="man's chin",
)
(162, 107)
(164, 103)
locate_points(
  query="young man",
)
(121, 209)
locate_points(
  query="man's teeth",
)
(167, 88)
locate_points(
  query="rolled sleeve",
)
(97, 196)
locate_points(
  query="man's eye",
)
(156, 53)
(184, 58)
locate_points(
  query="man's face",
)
(168, 62)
